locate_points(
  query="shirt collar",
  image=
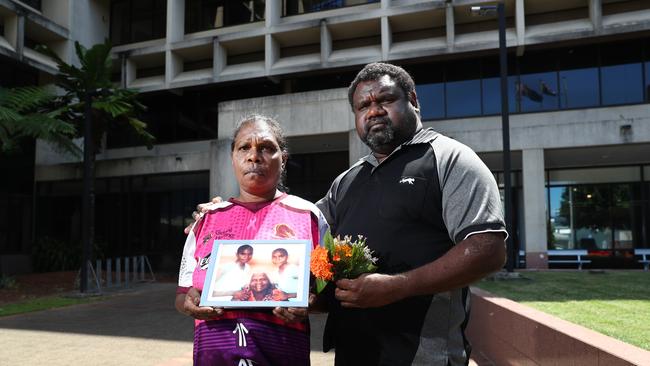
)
(424, 135)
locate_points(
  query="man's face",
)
(259, 282)
(279, 258)
(244, 256)
(384, 116)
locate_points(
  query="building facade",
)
(579, 88)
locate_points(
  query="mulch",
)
(35, 285)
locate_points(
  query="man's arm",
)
(465, 263)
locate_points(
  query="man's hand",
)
(291, 315)
(201, 208)
(369, 290)
(191, 307)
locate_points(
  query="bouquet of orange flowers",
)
(341, 258)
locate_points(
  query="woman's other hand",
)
(191, 306)
(291, 315)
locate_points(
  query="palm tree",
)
(93, 103)
(27, 113)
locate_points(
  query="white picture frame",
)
(220, 287)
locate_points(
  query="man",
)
(431, 211)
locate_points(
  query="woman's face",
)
(279, 258)
(257, 159)
(259, 282)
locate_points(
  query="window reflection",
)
(432, 100)
(622, 84)
(294, 7)
(537, 92)
(463, 98)
(579, 88)
(596, 217)
(208, 14)
(491, 90)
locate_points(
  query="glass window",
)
(136, 21)
(578, 77)
(595, 175)
(491, 85)
(294, 7)
(590, 216)
(647, 81)
(560, 236)
(622, 84)
(621, 73)
(579, 88)
(537, 92)
(432, 100)
(463, 89)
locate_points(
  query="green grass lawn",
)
(615, 303)
(43, 303)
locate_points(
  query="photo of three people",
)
(257, 273)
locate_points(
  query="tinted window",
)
(463, 88)
(432, 100)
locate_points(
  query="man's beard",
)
(383, 137)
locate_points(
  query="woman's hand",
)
(241, 295)
(279, 295)
(191, 306)
(291, 315)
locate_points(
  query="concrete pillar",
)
(131, 71)
(596, 14)
(15, 32)
(535, 214)
(356, 148)
(386, 38)
(272, 13)
(175, 20)
(325, 43)
(173, 66)
(385, 4)
(271, 52)
(520, 24)
(222, 179)
(449, 23)
(219, 58)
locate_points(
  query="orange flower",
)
(320, 265)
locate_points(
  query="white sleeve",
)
(188, 262)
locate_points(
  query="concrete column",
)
(219, 58)
(131, 71)
(272, 13)
(356, 148)
(271, 52)
(175, 20)
(325, 43)
(222, 179)
(535, 215)
(385, 4)
(449, 23)
(520, 23)
(596, 14)
(15, 32)
(386, 38)
(173, 66)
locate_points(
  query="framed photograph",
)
(257, 273)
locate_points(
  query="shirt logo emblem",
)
(410, 181)
(203, 264)
(283, 231)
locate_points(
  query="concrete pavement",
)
(137, 327)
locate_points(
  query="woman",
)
(278, 337)
(260, 288)
(285, 276)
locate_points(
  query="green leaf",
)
(320, 285)
(328, 241)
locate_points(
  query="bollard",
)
(109, 279)
(98, 270)
(126, 271)
(118, 271)
(141, 268)
(134, 260)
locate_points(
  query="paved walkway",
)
(138, 327)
